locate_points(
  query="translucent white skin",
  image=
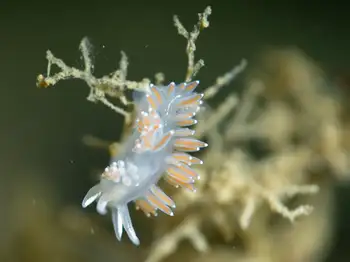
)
(137, 171)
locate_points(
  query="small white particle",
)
(126, 180)
(121, 163)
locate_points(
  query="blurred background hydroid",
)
(275, 183)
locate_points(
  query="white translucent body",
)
(135, 170)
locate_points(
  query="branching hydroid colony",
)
(160, 141)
